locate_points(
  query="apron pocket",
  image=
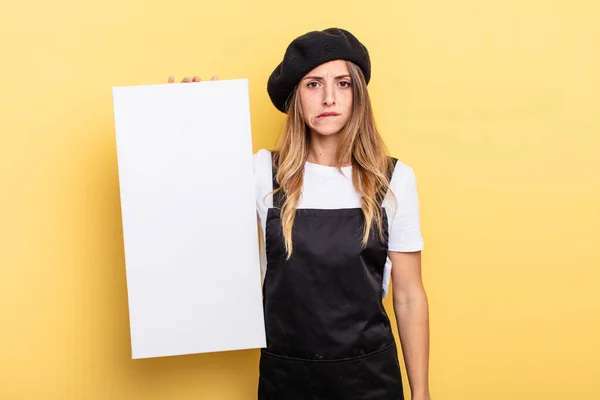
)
(283, 378)
(373, 376)
(381, 376)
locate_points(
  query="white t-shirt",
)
(326, 188)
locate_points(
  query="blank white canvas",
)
(189, 218)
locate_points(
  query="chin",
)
(327, 131)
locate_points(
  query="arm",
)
(412, 317)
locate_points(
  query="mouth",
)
(326, 115)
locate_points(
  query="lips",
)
(325, 115)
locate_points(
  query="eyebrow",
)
(320, 78)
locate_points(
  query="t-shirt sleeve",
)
(405, 222)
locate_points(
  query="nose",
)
(328, 96)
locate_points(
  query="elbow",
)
(415, 296)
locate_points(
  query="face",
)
(326, 97)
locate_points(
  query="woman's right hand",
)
(188, 79)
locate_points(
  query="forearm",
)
(412, 317)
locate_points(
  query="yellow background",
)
(495, 104)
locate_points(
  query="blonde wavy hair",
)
(360, 144)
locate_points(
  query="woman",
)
(338, 218)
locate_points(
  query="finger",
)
(214, 78)
(196, 79)
(186, 80)
(171, 79)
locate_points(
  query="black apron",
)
(328, 335)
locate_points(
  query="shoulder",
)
(403, 177)
(402, 171)
(263, 178)
(261, 156)
(262, 162)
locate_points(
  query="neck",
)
(323, 150)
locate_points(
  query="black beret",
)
(309, 51)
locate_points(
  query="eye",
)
(345, 84)
(312, 84)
